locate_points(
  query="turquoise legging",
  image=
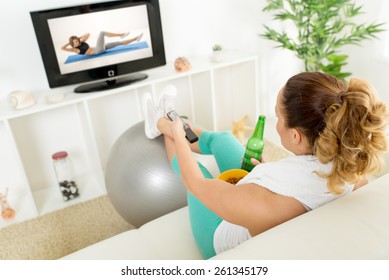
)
(228, 154)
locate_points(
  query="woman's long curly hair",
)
(344, 123)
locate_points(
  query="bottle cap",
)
(59, 155)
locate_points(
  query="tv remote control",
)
(190, 135)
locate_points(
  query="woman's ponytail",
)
(354, 135)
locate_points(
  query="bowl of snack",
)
(232, 176)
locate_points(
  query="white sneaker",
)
(152, 115)
(167, 99)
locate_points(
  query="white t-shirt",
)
(294, 176)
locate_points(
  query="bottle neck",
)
(260, 127)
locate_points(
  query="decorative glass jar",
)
(64, 172)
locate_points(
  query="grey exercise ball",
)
(140, 181)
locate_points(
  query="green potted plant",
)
(322, 27)
(217, 54)
(217, 47)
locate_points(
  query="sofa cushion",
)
(166, 238)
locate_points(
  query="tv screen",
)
(103, 45)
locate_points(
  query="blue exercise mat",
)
(115, 50)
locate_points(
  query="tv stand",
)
(211, 95)
(111, 83)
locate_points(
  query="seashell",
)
(20, 99)
(182, 64)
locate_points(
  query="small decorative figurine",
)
(239, 128)
(6, 211)
(53, 98)
(182, 64)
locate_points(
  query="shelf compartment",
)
(203, 99)
(24, 208)
(110, 117)
(49, 198)
(12, 177)
(40, 135)
(236, 94)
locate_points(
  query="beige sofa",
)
(353, 227)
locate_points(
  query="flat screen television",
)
(100, 46)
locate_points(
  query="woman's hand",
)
(256, 162)
(177, 128)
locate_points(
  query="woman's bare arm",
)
(84, 37)
(68, 48)
(248, 205)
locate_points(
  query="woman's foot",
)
(139, 37)
(167, 99)
(125, 35)
(152, 115)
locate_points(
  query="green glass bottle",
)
(254, 145)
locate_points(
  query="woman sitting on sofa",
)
(335, 131)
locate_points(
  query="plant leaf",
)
(323, 27)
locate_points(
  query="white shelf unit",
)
(87, 125)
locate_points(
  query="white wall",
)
(371, 59)
(190, 28)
